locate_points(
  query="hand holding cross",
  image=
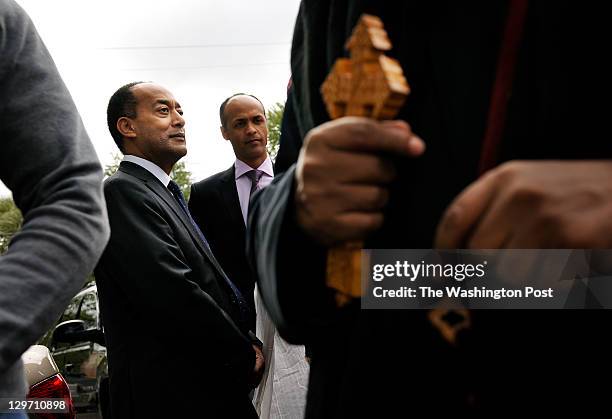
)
(371, 85)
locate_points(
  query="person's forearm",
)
(51, 167)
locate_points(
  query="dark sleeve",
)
(49, 163)
(158, 280)
(290, 267)
(290, 140)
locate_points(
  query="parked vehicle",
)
(77, 344)
(45, 381)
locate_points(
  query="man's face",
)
(245, 127)
(159, 126)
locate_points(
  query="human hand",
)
(258, 370)
(343, 173)
(531, 205)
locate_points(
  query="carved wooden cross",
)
(372, 85)
(368, 84)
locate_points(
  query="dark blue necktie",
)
(237, 297)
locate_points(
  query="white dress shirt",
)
(151, 167)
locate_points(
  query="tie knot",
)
(255, 175)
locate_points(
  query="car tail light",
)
(54, 387)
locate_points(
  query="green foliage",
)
(10, 222)
(110, 169)
(182, 177)
(275, 117)
(179, 174)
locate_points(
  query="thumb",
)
(416, 146)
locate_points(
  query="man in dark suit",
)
(176, 326)
(355, 178)
(219, 204)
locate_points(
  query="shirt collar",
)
(151, 167)
(241, 167)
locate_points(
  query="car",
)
(45, 381)
(77, 344)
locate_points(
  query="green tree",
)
(179, 174)
(182, 177)
(10, 222)
(110, 169)
(275, 117)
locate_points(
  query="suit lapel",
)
(229, 193)
(160, 190)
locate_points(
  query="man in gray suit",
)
(50, 166)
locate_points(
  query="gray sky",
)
(201, 50)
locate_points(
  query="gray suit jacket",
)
(50, 166)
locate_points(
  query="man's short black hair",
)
(222, 107)
(122, 103)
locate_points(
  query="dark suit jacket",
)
(214, 205)
(173, 342)
(392, 363)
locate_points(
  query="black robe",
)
(392, 363)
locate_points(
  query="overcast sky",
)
(201, 50)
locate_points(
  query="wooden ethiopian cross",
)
(371, 85)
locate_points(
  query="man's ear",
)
(224, 132)
(125, 126)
